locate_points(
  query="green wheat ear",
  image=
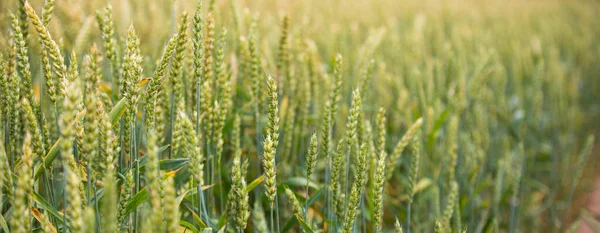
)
(155, 85)
(357, 190)
(336, 170)
(109, 219)
(58, 64)
(170, 208)
(273, 114)
(397, 226)
(239, 207)
(153, 174)
(378, 194)
(451, 202)
(269, 169)
(32, 126)
(19, 31)
(414, 166)
(311, 158)
(408, 136)
(175, 74)
(20, 218)
(107, 32)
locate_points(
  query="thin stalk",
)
(211, 169)
(271, 222)
(277, 212)
(31, 224)
(48, 187)
(121, 160)
(136, 190)
(199, 189)
(329, 195)
(96, 209)
(213, 164)
(202, 203)
(64, 197)
(327, 192)
(220, 175)
(258, 147)
(306, 200)
(408, 218)
(512, 216)
(132, 160)
(514, 208)
(141, 130)
(362, 213)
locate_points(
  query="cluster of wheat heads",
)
(168, 116)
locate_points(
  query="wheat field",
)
(372, 116)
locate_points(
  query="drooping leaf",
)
(289, 225)
(300, 182)
(172, 164)
(304, 225)
(254, 183)
(38, 215)
(436, 127)
(313, 197)
(165, 164)
(196, 217)
(188, 226)
(296, 220)
(3, 224)
(117, 111)
(222, 220)
(42, 203)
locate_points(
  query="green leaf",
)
(189, 191)
(436, 127)
(297, 220)
(52, 153)
(289, 225)
(172, 164)
(3, 224)
(135, 201)
(300, 182)
(313, 198)
(196, 217)
(117, 111)
(165, 164)
(223, 219)
(42, 203)
(254, 183)
(40, 218)
(189, 226)
(304, 225)
(422, 184)
(207, 230)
